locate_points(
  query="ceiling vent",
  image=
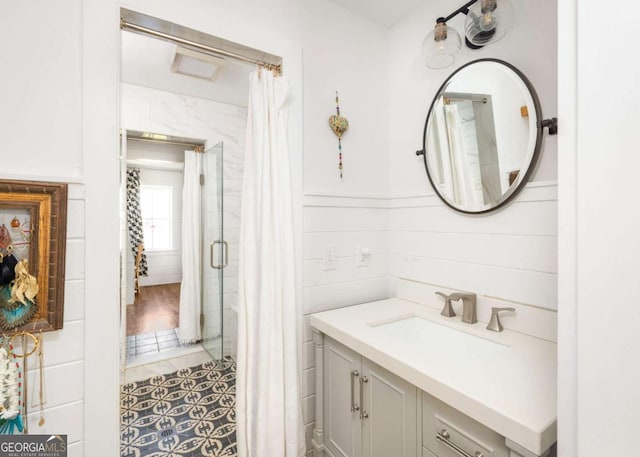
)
(196, 64)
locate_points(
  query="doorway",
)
(155, 283)
(162, 103)
(165, 106)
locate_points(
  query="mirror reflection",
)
(481, 138)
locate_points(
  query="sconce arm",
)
(464, 9)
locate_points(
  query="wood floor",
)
(155, 308)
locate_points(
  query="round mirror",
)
(482, 138)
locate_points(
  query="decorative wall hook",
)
(339, 125)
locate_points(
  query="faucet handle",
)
(447, 309)
(494, 324)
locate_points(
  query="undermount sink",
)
(424, 333)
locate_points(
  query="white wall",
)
(46, 122)
(508, 255)
(599, 241)
(567, 231)
(347, 53)
(38, 123)
(71, 102)
(344, 53)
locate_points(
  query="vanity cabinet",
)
(368, 411)
(386, 388)
(364, 410)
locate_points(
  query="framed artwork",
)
(33, 223)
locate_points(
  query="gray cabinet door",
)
(390, 404)
(342, 427)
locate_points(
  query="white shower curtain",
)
(190, 289)
(464, 156)
(269, 413)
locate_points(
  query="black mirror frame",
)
(540, 124)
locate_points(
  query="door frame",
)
(100, 133)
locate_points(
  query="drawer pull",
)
(354, 407)
(363, 413)
(443, 436)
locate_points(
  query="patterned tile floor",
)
(187, 413)
(148, 343)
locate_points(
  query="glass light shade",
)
(441, 46)
(488, 21)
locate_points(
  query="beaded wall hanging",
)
(339, 125)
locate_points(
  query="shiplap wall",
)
(344, 223)
(64, 350)
(418, 245)
(509, 254)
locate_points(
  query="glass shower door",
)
(214, 250)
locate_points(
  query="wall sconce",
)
(487, 21)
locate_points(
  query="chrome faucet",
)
(469, 315)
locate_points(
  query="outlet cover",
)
(363, 256)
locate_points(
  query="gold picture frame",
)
(40, 220)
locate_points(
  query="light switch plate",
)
(329, 260)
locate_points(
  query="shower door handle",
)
(226, 254)
(212, 254)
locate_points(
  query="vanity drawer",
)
(457, 430)
(427, 453)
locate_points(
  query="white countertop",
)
(512, 391)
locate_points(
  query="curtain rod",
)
(151, 140)
(124, 25)
(448, 100)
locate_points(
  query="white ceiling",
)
(146, 62)
(383, 12)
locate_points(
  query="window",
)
(157, 217)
